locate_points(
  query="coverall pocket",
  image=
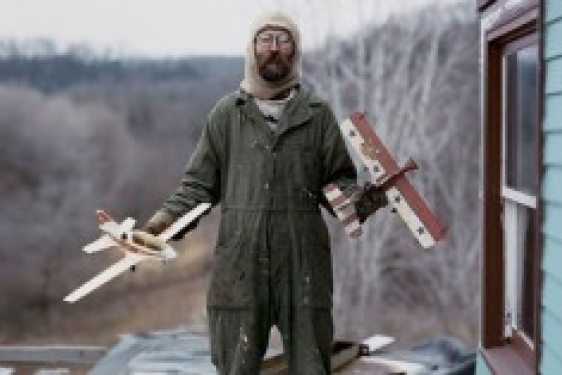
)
(231, 281)
(230, 231)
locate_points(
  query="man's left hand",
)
(371, 198)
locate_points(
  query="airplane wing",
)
(344, 209)
(183, 221)
(415, 213)
(111, 227)
(123, 265)
(401, 195)
(102, 243)
(117, 229)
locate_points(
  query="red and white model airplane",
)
(136, 245)
(385, 173)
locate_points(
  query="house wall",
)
(481, 367)
(551, 309)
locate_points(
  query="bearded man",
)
(266, 151)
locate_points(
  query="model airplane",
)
(137, 246)
(385, 173)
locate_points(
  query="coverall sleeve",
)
(201, 178)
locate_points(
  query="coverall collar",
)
(298, 110)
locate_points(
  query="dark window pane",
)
(521, 127)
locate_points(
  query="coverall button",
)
(266, 186)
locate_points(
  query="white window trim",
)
(519, 197)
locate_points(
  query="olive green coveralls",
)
(273, 262)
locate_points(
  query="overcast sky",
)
(182, 27)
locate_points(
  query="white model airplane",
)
(137, 246)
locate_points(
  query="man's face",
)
(274, 49)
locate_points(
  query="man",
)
(265, 153)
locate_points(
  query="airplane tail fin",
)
(103, 217)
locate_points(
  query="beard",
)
(273, 67)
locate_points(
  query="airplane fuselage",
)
(126, 243)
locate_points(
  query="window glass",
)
(521, 111)
(520, 234)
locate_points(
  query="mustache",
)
(276, 58)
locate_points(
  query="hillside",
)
(86, 134)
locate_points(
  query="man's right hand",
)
(158, 223)
(162, 220)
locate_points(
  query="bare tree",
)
(64, 160)
(102, 144)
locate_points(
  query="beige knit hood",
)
(253, 83)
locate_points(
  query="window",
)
(519, 184)
(512, 93)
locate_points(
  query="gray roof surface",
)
(183, 353)
(170, 353)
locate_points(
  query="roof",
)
(180, 353)
(168, 352)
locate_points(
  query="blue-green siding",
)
(551, 310)
(552, 145)
(553, 84)
(552, 47)
(553, 10)
(550, 363)
(551, 226)
(481, 367)
(553, 113)
(552, 178)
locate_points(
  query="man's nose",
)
(274, 45)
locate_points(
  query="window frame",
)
(513, 356)
(515, 196)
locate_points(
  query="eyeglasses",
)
(283, 39)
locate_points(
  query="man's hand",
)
(369, 200)
(148, 240)
(158, 223)
(162, 220)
